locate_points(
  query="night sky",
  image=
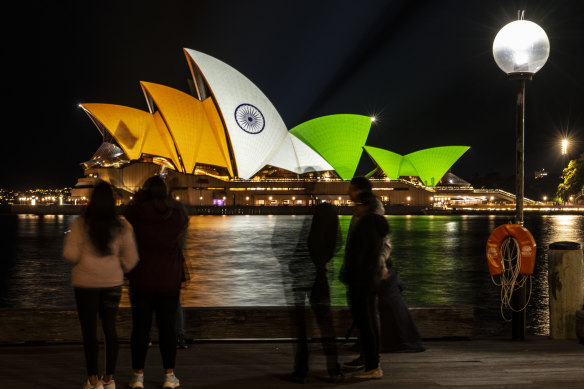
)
(423, 68)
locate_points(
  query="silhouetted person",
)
(160, 224)
(362, 272)
(398, 332)
(304, 272)
(102, 247)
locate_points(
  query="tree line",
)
(573, 184)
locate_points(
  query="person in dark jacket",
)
(160, 225)
(307, 270)
(362, 274)
(398, 332)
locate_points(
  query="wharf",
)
(489, 363)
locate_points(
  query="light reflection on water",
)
(243, 261)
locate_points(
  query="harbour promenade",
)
(251, 348)
(484, 363)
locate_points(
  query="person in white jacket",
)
(102, 248)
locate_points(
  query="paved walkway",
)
(536, 362)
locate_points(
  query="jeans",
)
(90, 302)
(165, 308)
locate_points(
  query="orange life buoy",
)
(526, 246)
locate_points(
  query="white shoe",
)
(109, 385)
(170, 381)
(88, 385)
(137, 381)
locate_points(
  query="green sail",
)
(339, 139)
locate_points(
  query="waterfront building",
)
(226, 144)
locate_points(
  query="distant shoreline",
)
(288, 210)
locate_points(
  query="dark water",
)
(242, 261)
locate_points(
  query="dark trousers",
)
(364, 309)
(90, 303)
(319, 296)
(165, 308)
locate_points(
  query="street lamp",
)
(521, 48)
(564, 146)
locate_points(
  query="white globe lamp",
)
(521, 48)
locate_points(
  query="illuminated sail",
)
(430, 165)
(255, 128)
(297, 157)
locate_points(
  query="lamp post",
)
(564, 152)
(521, 48)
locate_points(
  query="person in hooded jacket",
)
(362, 273)
(160, 225)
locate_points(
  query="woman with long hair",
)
(160, 224)
(102, 248)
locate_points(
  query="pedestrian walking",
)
(362, 273)
(307, 270)
(102, 248)
(160, 224)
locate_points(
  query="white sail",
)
(255, 127)
(295, 156)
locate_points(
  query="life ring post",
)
(511, 252)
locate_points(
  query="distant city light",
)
(373, 118)
(564, 146)
(544, 198)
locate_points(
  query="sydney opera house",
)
(224, 143)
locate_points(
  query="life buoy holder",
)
(526, 246)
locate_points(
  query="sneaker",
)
(88, 385)
(170, 381)
(370, 374)
(137, 381)
(355, 364)
(108, 385)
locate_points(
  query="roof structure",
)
(294, 155)
(339, 139)
(197, 139)
(135, 131)
(429, 165)
(231, 125)
(255, 127)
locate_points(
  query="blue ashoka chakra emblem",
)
(249, 119)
